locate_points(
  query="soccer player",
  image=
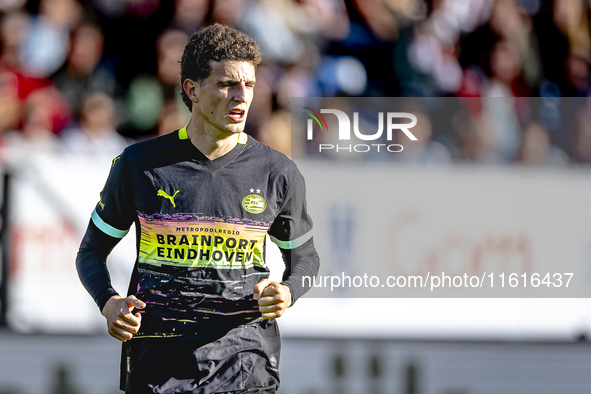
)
(200, 314)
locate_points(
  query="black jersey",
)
(201, 228)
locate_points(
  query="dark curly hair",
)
(215, 43)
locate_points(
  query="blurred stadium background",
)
(82, 79)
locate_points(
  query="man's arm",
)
(91, 263)
(292, 232)
(301, 262)
(273, 297)
(109, 222)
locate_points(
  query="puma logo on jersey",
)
(165, 195)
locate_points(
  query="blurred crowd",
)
(92, 76)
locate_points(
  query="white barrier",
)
(376, 219)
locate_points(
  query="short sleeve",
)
(293, 226)
(115, 211)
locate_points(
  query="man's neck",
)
(213, 145)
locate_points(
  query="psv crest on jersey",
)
(254, 203)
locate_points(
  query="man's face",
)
(224, 97)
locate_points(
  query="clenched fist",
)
(273, 298)
(121, 323)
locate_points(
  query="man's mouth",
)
(237, 115)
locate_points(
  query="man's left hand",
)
(273, 297)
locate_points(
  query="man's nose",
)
(240, 92)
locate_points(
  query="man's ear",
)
(190, 88)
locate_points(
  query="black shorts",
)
(244, 359)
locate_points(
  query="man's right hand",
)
(120, 322)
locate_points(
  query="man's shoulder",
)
(153, 151)
(152, 144)
(275, 160)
